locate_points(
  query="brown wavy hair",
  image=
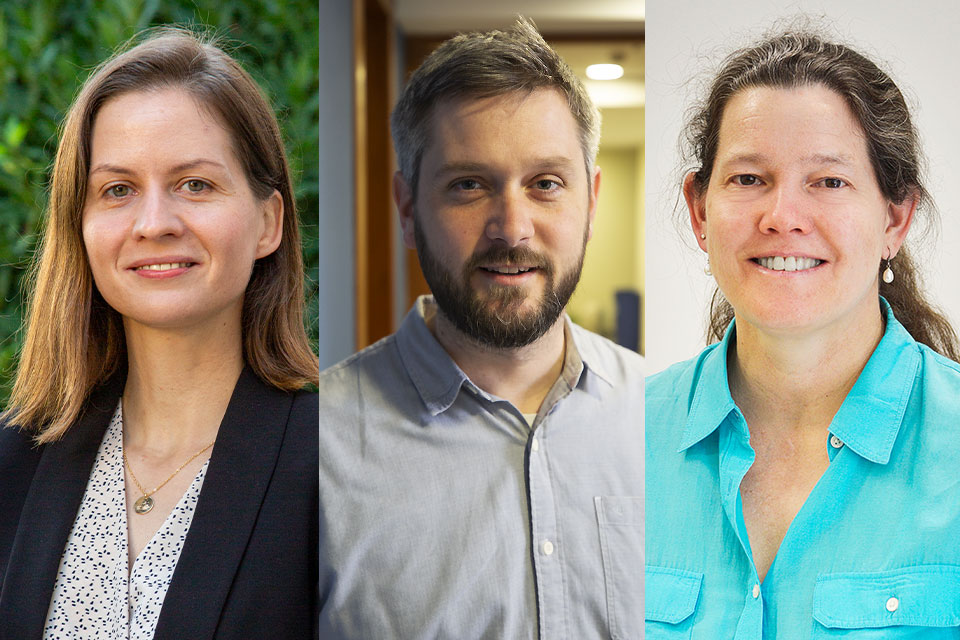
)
(798, 58)
(74, 341)
(483, 65)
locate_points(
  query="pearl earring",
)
(888, 273)
(703, 236)
(706, 268)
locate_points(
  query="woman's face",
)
(795, 222)
(170, 224)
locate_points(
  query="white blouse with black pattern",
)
(96, 596)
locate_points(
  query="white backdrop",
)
(916, 42)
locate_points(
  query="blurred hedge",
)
(48, 47)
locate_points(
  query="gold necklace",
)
(144, 503)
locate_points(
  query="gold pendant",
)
(143, 505)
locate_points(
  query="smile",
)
(508, 270)
(166, 266)
(788, 263)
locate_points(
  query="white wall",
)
(917, 42)
(337, 218)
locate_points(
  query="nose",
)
(785, 211)
(156, 216)
(511, 222)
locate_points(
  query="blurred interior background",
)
(368, 279)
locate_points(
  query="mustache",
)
(509, 256)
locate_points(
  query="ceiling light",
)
(604, 71)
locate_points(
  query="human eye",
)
(466, 184)
(196, 185)
(547, 184)
(745, 180)
(832, 183)
(117, 191)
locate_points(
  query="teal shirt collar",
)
(869, 418)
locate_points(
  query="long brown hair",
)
(74, 340)
(799, 58)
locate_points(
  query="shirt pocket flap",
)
(923, 596)
(671, 594)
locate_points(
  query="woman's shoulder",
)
(304, 421)
(684, 375)
(940, 378)
(19, 457)
(17, 447)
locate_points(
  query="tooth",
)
(778, 263)
(789, 263)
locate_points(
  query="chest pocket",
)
(621, 543)
(921, 602)
(671, 597)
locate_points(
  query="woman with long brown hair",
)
(159, 460)
(801, 472)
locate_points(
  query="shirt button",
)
(835, 442)
(756, 591)
(893, 604)
(548, 547)
(535, 445)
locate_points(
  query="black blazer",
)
(248, 568)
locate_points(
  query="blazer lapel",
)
(241, 467)
(47, 517)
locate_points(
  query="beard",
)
(496, 318)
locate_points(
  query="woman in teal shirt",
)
(802, 473)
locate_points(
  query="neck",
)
(522, 376)
(798, 383)
(178, 386)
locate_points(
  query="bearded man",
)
(481, 469)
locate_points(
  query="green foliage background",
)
(47, 49)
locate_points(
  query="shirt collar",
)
(869, 418)
(437, 377)
(712, 401)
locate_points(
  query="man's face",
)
(503, 213)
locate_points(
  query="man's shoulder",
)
(607, 356)
(379, 354)
(371, 381)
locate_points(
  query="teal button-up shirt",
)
(873, 553)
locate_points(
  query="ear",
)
(403, 197)
(272, 231)
(698, 212)
(594, 194)
(899, 219)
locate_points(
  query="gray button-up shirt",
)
(444, 515)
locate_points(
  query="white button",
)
(548, 547)
(756, 591)
(535, 445)
(835, 442)
(893, 604)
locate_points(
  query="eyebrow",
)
(814, 158)
(183, 166)
(476, 167)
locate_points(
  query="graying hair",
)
(483, 65)
(801, 58)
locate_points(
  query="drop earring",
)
(706, 268)
(888, 273)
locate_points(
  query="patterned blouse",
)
(97, 595)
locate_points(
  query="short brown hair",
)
(74, 340)
(796, 58)
(483, 65)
